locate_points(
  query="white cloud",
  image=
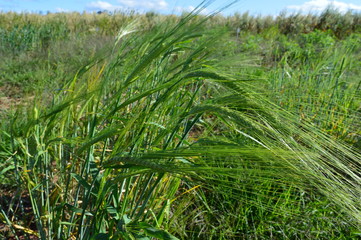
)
(190, 9)
(184, 9)
(62, 10)
(100, 5)
(144, 4)
(320, 5)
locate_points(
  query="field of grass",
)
(130, 126)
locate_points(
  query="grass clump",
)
(160, 134)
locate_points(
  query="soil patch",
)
(7, 102)
(17, 206)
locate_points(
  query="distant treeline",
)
(340, 24)
(26, 31)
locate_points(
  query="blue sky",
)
(264, 7)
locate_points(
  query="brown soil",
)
(7, 103)
(17, 206)
(10, 102)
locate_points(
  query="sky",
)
(254, 7)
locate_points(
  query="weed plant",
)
(173, 131)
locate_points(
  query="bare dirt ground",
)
(18, 209)
(9, 102)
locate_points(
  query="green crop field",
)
(147, 126)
